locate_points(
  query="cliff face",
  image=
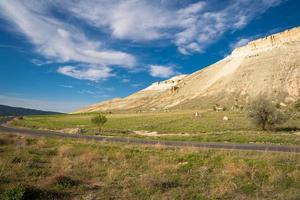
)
(269, 66)
(269, 42)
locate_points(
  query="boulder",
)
(225, 118)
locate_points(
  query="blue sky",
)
(61, 55)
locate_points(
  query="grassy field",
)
(209, 127)
(65, 169)
(163, 122)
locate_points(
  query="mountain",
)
(16, 111)
(269, 66)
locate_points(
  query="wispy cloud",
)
(66, 86)
(40, 62)
(60, 41)
(204, 27)
(92, 73)
(192, 28)
(125, 80)
(162, 71)
(95, 94)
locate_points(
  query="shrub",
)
(23, 192)
(99, 120)
(265, 114)
(15, 193)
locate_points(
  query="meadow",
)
(44, 168)
(180, 125)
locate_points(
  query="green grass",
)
(210, 127)
(163, 122)
(40, 168)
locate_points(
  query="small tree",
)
(265, 114)
(99, 121)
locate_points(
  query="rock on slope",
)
(269, 66)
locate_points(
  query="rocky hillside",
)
(269, 66)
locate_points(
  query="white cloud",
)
(130, 19)
(125, 80)
(205, 27)
(192, 28)
(92, 73)
(60, 41)
(162, 71)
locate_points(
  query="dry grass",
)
(64, 169)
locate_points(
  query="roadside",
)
(231, 146)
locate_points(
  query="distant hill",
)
(16, 111)
(269, 66)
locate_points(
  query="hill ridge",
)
(268, 65)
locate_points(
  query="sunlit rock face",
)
(268, 43)
(269, 66)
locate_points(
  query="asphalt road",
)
(4, 129)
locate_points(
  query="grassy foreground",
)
(40, 168)
(209, 127)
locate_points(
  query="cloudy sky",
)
(64, 54)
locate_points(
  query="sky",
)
(61, 55)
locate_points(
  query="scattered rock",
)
(197, 114)
(282, 104)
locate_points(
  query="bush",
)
(265, 114)
(23, 192)
(15, 193)
(99, 120)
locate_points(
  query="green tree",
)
(99, 121)
(264, 113)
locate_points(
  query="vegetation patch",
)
(81, 169)
(208, 126)
(23, 192)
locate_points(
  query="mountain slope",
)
(16, 111)
(269, 66)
